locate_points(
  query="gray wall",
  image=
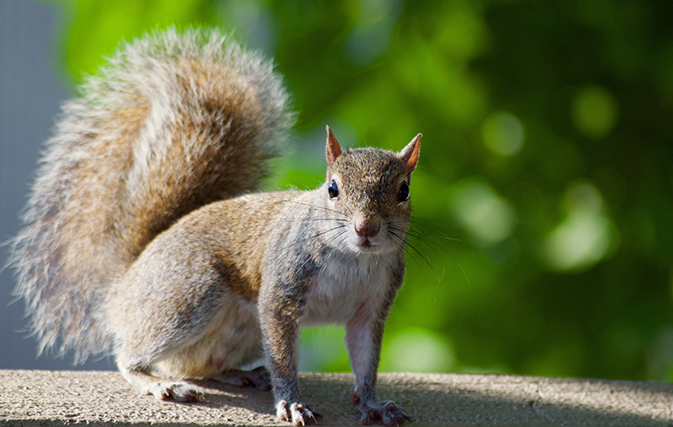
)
(30, 95)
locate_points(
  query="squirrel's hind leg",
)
(162, 389)
(258, 378)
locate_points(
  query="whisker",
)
(324, 208)
(314, 236)
(406, 243)
(415, 236)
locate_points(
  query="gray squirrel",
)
(146, 235)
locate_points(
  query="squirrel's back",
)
(174, 121)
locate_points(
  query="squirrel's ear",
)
(333, 149)
(409, 155)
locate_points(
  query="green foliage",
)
(543, 234)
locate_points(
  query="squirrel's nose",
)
(367, 229)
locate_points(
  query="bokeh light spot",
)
(584, 237)
(371, 35)
(483, 213)
(503, 133)
(594, 112)
(418, 350)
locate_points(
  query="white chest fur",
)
(342, 285)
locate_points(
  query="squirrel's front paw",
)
(388, 412)
(297, 413)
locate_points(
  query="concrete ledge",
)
(47, 398)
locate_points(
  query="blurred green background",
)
(542, 240)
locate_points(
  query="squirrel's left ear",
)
(333, 149)
(409, 155)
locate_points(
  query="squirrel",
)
(147, 236)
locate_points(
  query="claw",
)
(178, 391)
(283, 411)
(388, 412)
(297, 413)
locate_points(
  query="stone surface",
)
(54, 398)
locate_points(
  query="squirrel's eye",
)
(403, 194)
(333, 190)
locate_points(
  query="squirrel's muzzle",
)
(367, 229)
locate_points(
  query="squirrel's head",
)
(368, 190)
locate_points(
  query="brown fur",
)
(141, 235)
(145, 144)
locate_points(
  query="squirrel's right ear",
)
(409, 155)
(333, 149)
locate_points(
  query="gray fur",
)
(139, 237)
(63, 302)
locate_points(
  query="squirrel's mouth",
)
(365, 243)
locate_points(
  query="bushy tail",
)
(173, 122)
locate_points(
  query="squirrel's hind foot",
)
(258, 378)
(161, 388)
(179, 391)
